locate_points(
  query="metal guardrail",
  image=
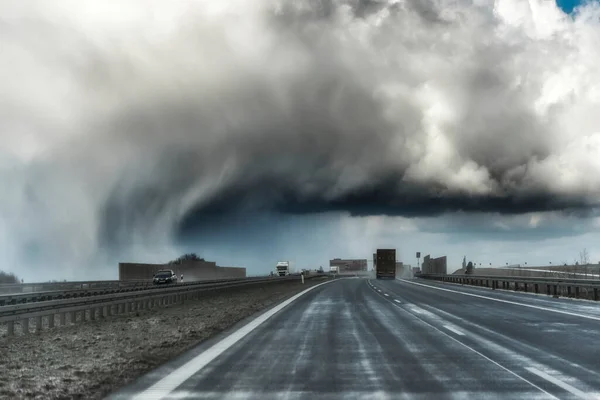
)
(12, 288)
(84, 289)
(556, 287)
(106, 305)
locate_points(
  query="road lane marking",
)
(506, 301)
(385, 294)
(166, 385)
(452, 329)
(558, 382)
(397, 301)
(479, 354)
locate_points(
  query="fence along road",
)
(109, 304)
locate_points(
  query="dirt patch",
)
(90, 360)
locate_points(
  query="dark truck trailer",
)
(386, 264)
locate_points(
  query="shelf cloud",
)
(127, 125)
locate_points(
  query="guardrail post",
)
(536, 288)
(104, 312)
(51, 321)
(516, 286)
(556, 290)
(10, 329)
(596, 294)
(525, 287)
(93, 314)
(569, 291)
(25, 325)
(63, 318)
(72, 317)
(38, 324)
(577, 291)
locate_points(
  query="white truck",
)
(282, 268)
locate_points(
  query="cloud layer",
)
(125, 126)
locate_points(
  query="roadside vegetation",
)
(186, 257)
(6, 277)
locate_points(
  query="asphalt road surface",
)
(369, 339)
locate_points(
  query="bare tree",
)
(186, 257)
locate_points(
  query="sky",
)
(256, 131)
(568, 5)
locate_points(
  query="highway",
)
(357, 338)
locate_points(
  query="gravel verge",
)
(91, 360)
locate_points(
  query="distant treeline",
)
(5, 277)
(186, 257)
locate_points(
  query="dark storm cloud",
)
(128, 127)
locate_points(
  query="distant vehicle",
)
(334, 270)
(386, 264)
(282, 268)
(164, 276)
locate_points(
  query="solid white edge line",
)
(467, 346)
(479, 354)
(558, 382)
(452, 329)
(397, 301)
(505, 301)
(170, 382)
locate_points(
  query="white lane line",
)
(506, 301)
(452, 329)
(397, 301)
(385, 294)
(166, 385)
(558, 382)
(480, 354)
